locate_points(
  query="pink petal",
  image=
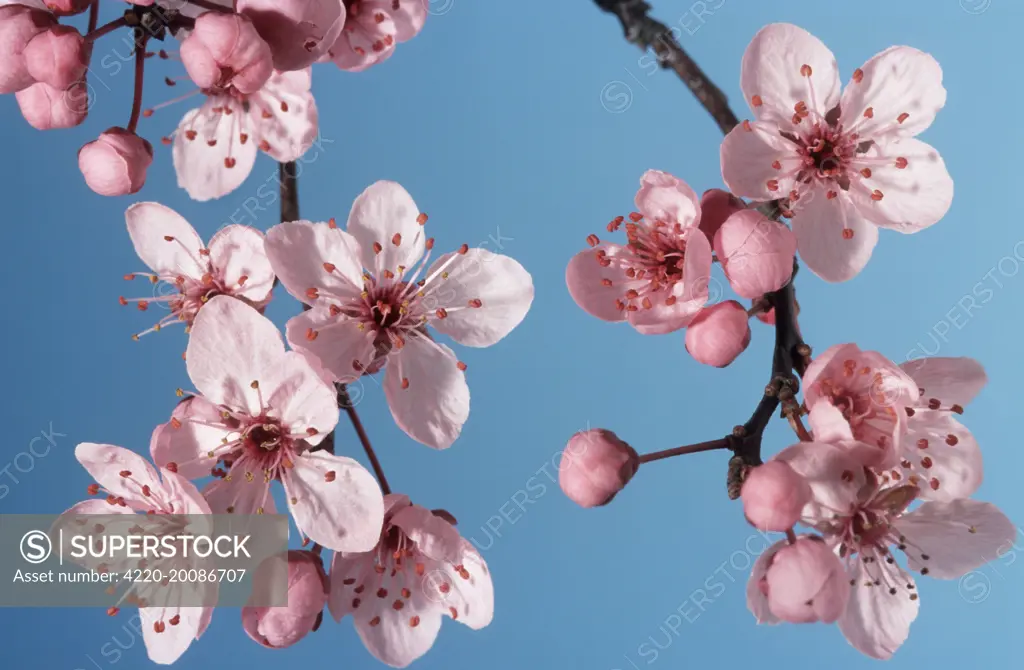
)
(502, 286)
(433, 536)
(230, 347)
(756, 253)
(956, 536)
(149, 226)
(365, 41)
(187, 445)
(239, 495)
(588, 279)
(237, 251)
(820, 238)
(341, 348)
(383, 214)
(896, 81)
(757, 601)
(299, 250)
(300, 398)
(828, 424)
(392, 640)
(298, 32)
(914, 197)
(821, 362)
(472, 598)
(875, 622)
(749, 154)
(773, 69)
(167, 647)
(835, 475)
(185, 496)
(106, 462)
(343, 511)
(663, 197)
(951, 454)
(408, 17)
(435, 403)
(690, 294)
(289, 133)
(950, 380)
(201, 168)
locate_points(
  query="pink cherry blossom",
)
(233, 264)
(47, 108)
(805, 582)
(283, 626)
(843, 165)
(420, 571)
(658, 281)
(132, 486)
(716, 206)
(756, 253)
(595, 466)
(215, 145)
(859, 395)
(58, 56)
(774, 496)
(262, 410)
(865, 518)
(370, 306)
(719, 334)
(225, 53)
(373, 28)
(116, 163)
(299, 32)
(18, 26)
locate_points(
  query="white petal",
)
(298, 251)
(289, 133)
(300, 398)
(757, 602)
(336, 342)
(951, 454)
(876, 622)
(956, 536)
(819, 226)
(953, 381)
(237, 251)
(149, 226)
(384, 214)
(203, 169)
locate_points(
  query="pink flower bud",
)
(70, 7)
(716, 206)
(755, 252)
(773, 495)
(806, 583)
(58, 56)
(46, 107)
(18, 25)
(224, 51)
(298, 32)
(595, 466)
(718, 334)
(116, 162)
(283, 626)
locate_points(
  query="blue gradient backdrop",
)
(527, 125)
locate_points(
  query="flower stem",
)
(710, 445)
(94, 15)
(140, 64)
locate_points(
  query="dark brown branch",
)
(289, 192)
(710, 445)
(647, 33)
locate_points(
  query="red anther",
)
(847, 233)
(441, 313)
(866, 172)
(312, 293)
(902, 117)
(330, 267)
(869, 113)
(429, 244)
(636, 217)
(171, 467)
(311, 334)
(805, 70)
(229, 162)
(377, 248)
(772, 184)
(311, 431)
(112, 611)
(397, 239)
(877, 195)
(243, 138)
(746, 125)
(901, 163)
(330, 476)
(93, 489)
(460, 365)
(421, 219)
(476, 303)
(756, 101)
(122, 301)
(405, 382)
(142, 305)
(284, 106)
(593, 240)
(463, 249)
(332, 223)
(335, 310)
(125, 473)
(858, 75)
(243, 279)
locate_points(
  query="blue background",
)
(528, 124)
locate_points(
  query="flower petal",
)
(298, 33)
(956, 536)
(382, 215)
(834, 473)
(757, 601)
(952, 381)
(299, 250)
(821, 238)
(774, 70)
(188, 437)
(914, 196)
(203, 169)
(596, 287)
(899, 80)
(664, 197)
(828, 424)
(338, 344)
(471, 600)
(501, 287)
(393, 639)
(243, 495)
(167, 646)
(149, 226)
(237, 251)
(943, 453)
(335, 501)
(300, 398)
(875, 622)
(749, 154)
(409, 17)
(106, 462)
(292, 125)
(433, 536)
(435, 402)
(231, 346)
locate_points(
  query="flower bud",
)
(58, 56)
(595, 466)
(18, 25)
(773, 495)
(756, 253)
(806, 583)
(283, 626)
(716, 206)
(116, 162)
(718, 334)
(225, 51)
(46, 107)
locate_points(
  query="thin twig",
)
(94, 15)
(140, 65)
(721, 443)
(346, 403)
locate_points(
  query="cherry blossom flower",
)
(866, 519)
(370, 308)
(261, 413)
(373, 28)
(233, 264)
(131, 486)
(843, 165)
(658, 281)
(215, 145)
(595, 466)
(299, 32)
(420, 571)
